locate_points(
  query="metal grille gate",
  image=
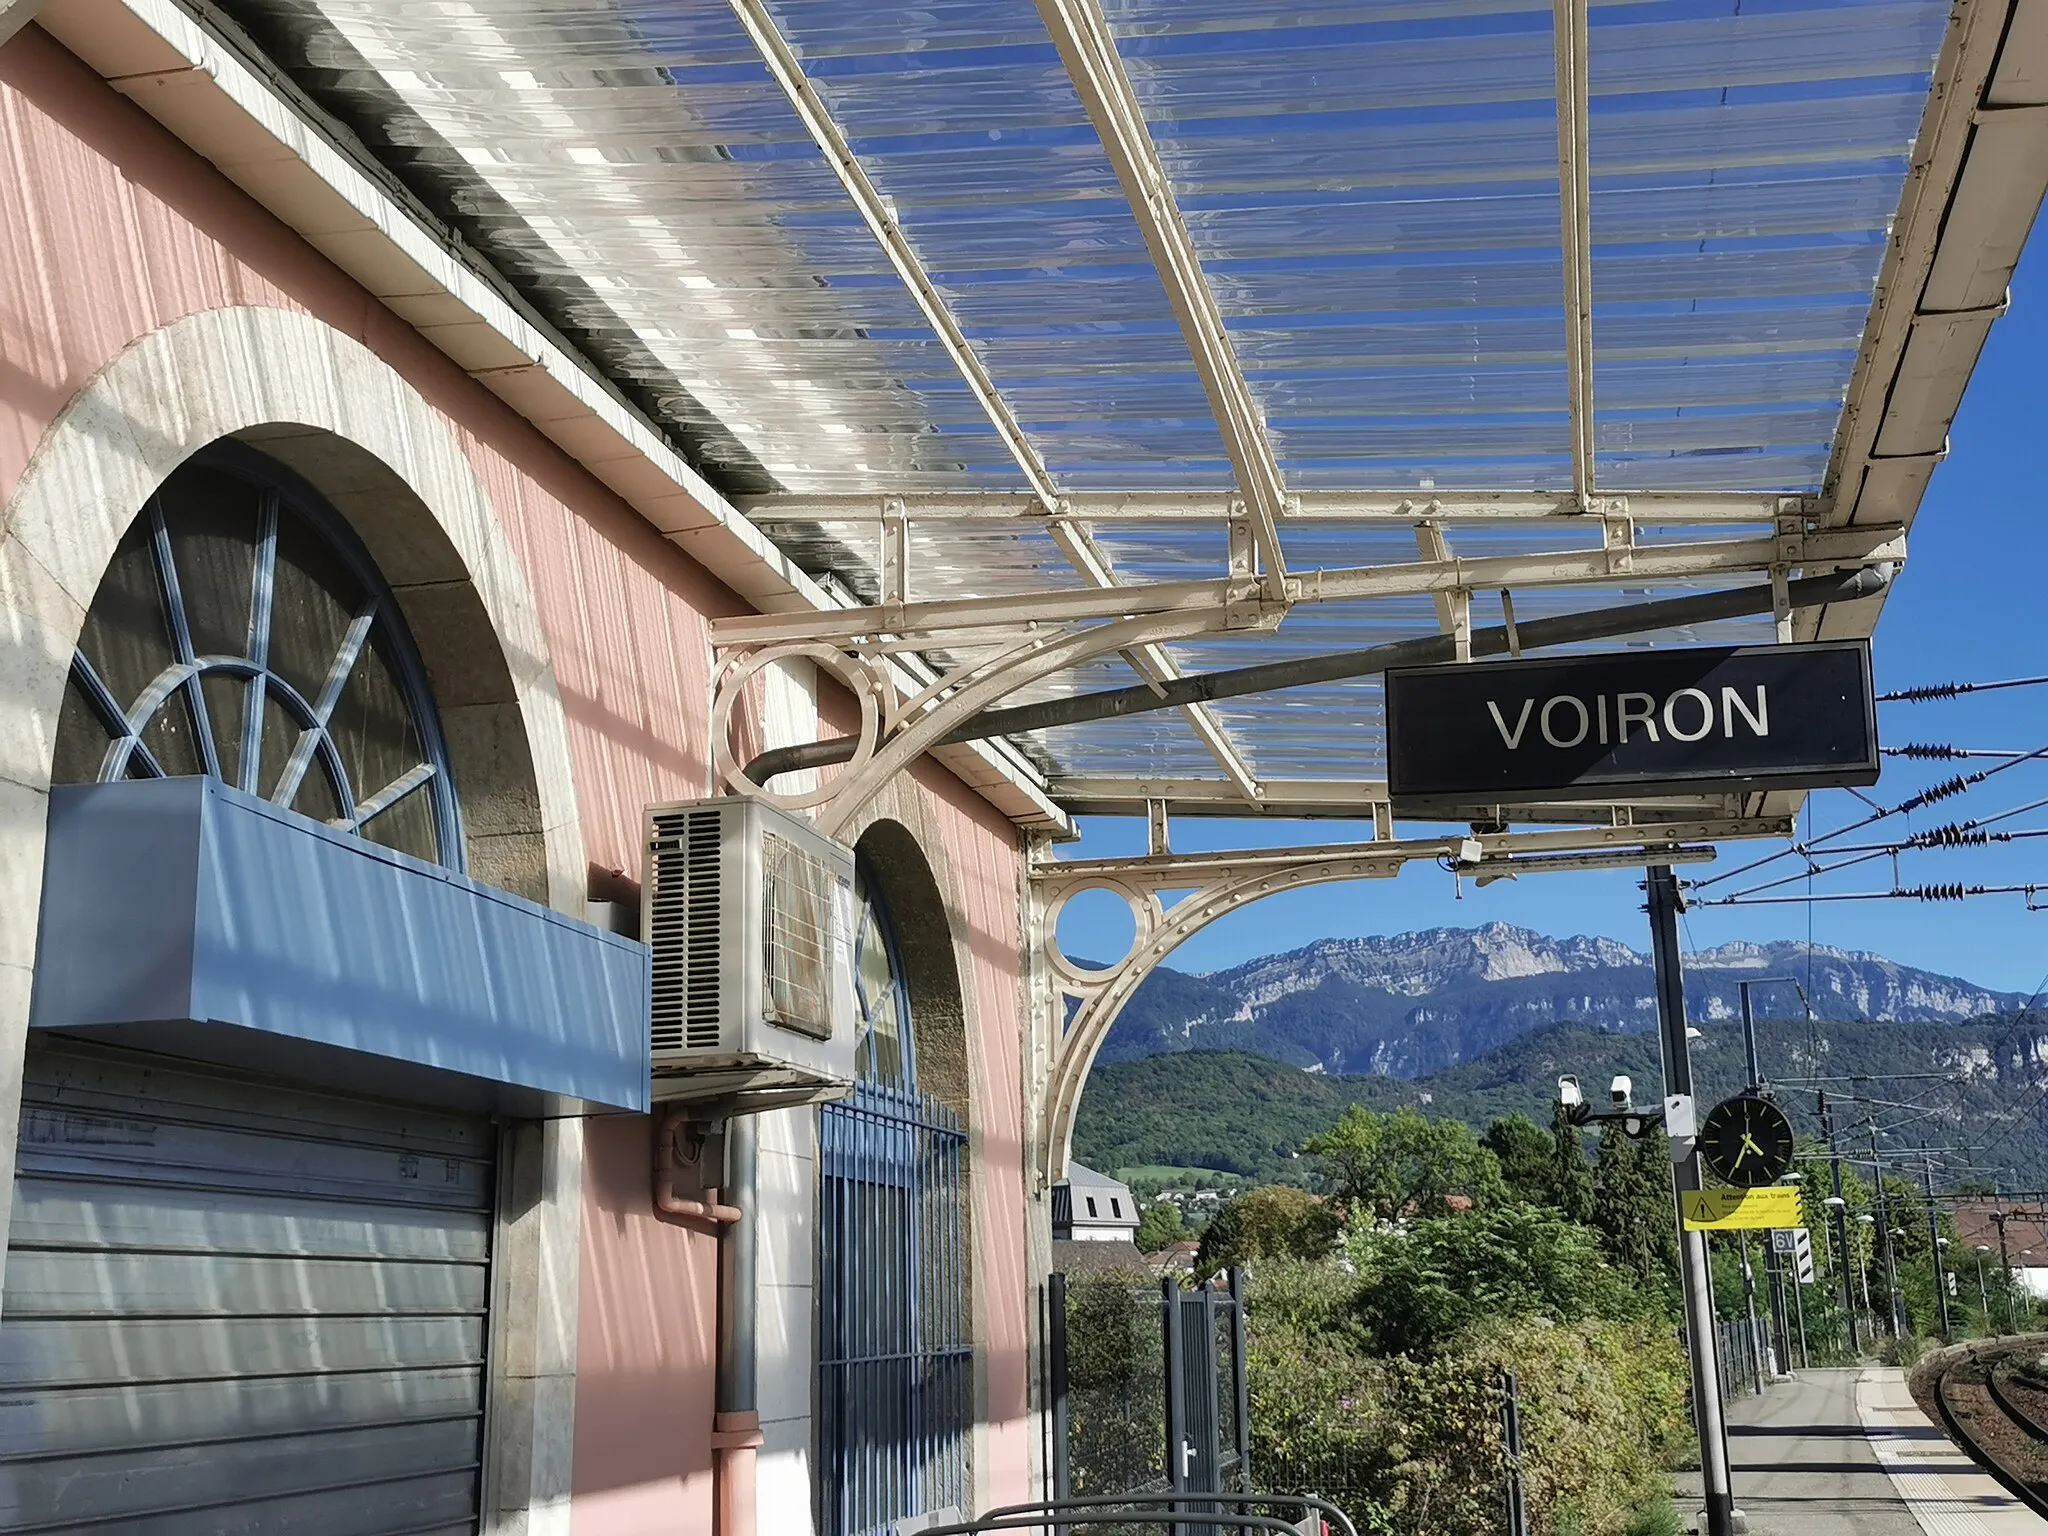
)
(895, 1348)
(1147, 1388)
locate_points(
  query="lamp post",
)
(1983, 1295)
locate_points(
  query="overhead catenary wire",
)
(1955, 834)
(1947, 789)
(1930, 692)
(1928, 751)
(1938, 892)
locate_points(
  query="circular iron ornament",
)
(1746, 1141)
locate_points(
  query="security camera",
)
(1569, 1093)
(1623, 1091)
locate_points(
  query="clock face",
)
(1746, 1141)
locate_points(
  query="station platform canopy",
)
(970, 302)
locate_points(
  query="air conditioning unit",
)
(749, 913)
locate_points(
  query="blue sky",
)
(1972, 604)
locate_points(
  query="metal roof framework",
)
(998, 354)
(1078, 345)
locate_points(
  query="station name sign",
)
(1710, 719)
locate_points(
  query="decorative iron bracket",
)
(1082, 1002)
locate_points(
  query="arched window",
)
(242, 632)
(895, 1350)
(883, 1057)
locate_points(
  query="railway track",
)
(1998, 1421)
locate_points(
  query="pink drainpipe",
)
(736, 1426)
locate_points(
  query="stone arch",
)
(931, 972)
(902, 834)
(339, 417)
(333, 412)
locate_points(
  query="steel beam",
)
(1180, 871)
(788, 73)
(1303, 506)
(1152, 663)
(1344, 800)
(1203, 604)
(1082, 37)
(1574, 186)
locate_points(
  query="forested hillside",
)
(1245, 1113)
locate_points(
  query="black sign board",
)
(1700, 720)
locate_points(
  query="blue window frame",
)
(895, 1348)
(242, 631)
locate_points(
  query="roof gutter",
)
(1501, 640)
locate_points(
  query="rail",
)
(1957, 1418)
(1175, 1512)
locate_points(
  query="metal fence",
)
(1147, 1389)
(896, 1353)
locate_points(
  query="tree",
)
(1160, 1225)
(1404, 1164)
(1632, 1206)
(1526, 1158)
(1277, 1221)
(1418, 1287)
(1570, 1176)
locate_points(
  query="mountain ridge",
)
(1405, 1005)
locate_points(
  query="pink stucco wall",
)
(109, 228)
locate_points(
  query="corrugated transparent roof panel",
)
(636, 170)
(1373, 194)
(963, 116)
(1747, 160)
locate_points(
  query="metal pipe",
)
(667, 1161)
(1270, 677)
(736, 1420)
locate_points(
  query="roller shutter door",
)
(240, 1306)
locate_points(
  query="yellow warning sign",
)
(1724, 1210)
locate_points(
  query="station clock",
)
(1746, 1141)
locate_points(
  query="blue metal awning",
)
(189, 917)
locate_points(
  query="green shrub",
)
(1905, 1352)
(1412, 1444)
(1660, 1518)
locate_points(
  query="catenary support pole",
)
(1774, 1280)
(1884, 1235)
(2005, 1269)
(1664, 905)
(1755, 1343)
(1841, 1210)
(1934, 1247)
(1799, 1302)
